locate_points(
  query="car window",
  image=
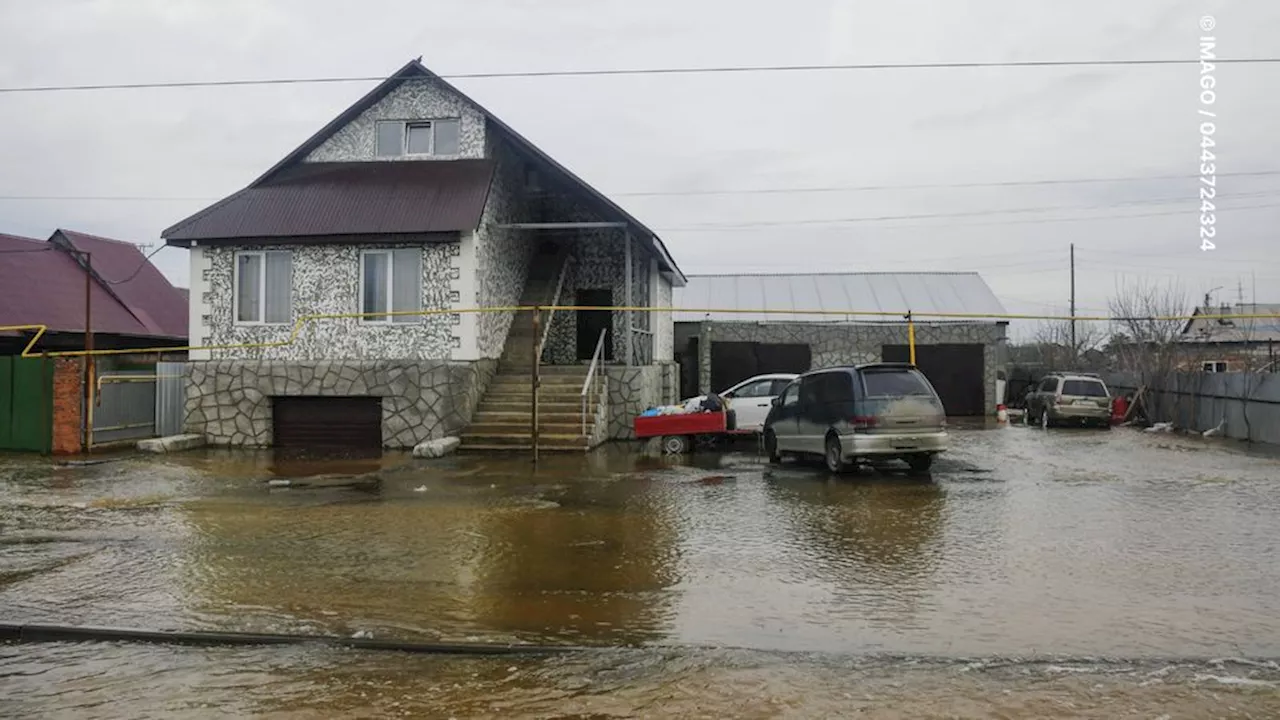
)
(837, 387)
(894, 383)
(811, 389)
(791, 395)
(1049, 385)
(779, 386)
(762, 388)
(1084, 388)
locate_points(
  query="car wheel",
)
(920, 463)
(771, 447)
(834, 455)
(675, 444)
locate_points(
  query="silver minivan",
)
(863, 413)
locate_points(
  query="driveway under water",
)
(1032, 574)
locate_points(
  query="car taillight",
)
(863, 422)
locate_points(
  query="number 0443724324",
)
(1208, 193)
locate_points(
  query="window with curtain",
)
(263, 286)
(391, 281)
(395, 138)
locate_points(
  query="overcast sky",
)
(837, 130)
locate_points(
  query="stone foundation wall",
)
(229, 401)
(833, 345)
(632, 390)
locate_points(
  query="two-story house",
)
(347, 296)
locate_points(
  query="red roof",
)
(43, 284)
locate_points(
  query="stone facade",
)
(852, 344)
(663, 328)
(502, 255)
(414, 99)
(632, 390)
(326, 281)
(229, 401)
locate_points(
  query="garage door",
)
(733, 362)
(327, 422)
(954, 370)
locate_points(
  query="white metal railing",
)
(555, 300)
(594, 373)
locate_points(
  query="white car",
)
(752, 399)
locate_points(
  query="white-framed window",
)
(396, 138)
(1214, 366)
(263, 287)
(391, 281)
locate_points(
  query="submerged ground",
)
(1034, 574)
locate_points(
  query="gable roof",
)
(415, 69)
(924, 292)
(41, 283)
(1211, 330)
(347, 198)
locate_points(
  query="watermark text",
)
(1208, 128)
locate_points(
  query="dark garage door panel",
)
(733, 362)
(327, 422)
(956, 372)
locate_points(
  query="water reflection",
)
(454, 550)
(874, 538)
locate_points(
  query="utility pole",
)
(87, 416)
(1073, 301)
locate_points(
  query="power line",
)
(723, 227)
(646, 71)
(145, 262)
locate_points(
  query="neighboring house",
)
(1215, 344)
(126, 304)
(130, 303)
(418, 199)
(963, 359)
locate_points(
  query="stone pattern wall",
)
(416, 99)
(502, 255)
(851, 344)
(326, 280)
(632, 390)
(229, 401)
(597, 263)
(664, 349)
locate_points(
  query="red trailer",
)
(679, 432)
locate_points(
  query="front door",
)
(592, 322)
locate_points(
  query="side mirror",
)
(777, 401)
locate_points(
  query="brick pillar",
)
(68, 404)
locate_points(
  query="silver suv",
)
(879, 411)
(1070, 399)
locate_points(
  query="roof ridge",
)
(835, 273)
(91, 236)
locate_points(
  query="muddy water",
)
(990, 588)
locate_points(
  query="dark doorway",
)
(688, 361)
(311, 423)
(592, 322)
(733, 362)
(956, 372)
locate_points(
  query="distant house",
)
(418, 200)
(43, 282)
(963, 359)
(1215, 344)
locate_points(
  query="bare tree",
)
(1058, 352)
(1146, 315)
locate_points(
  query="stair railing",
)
(593, 377)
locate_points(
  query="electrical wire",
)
(146, 261)
(648, 71)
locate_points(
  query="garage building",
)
(730, 343)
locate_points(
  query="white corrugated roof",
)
(783, 295)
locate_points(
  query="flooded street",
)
(1061, 574)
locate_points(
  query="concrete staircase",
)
(502, 421)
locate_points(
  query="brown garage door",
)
(327, 422)
(954, 370)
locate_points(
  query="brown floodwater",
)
(1033, 574)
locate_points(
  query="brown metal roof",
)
(348, 198)
(415, 69)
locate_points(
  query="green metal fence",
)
(26, 404)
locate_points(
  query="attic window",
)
(397, 138)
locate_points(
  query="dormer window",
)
(400, 138)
